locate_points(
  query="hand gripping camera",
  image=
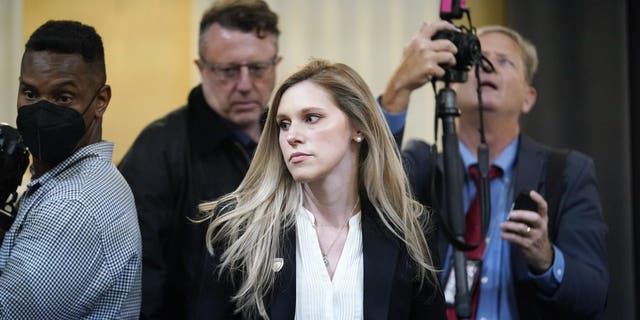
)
(14, 160)
(469, 51)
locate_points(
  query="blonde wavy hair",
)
(249, 223)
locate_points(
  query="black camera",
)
(469, 51)
(469, 54)
(14, 160)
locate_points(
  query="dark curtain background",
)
(633, 17)
(587, 89)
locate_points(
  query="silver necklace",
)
(325, 253)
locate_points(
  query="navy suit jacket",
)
(390, 288)
(579, 230)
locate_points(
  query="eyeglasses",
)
(231, 72)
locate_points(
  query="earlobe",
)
(358, 137)
(530, 100)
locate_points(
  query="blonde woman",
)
(323, 223)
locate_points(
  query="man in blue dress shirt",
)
(74, 250)
(536, 265)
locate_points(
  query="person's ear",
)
(529, 99)
(200, 65)
(102, 100)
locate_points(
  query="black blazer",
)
(578, 231)
(390, 288)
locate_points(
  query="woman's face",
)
(316, 138)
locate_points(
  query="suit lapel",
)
(380, 255)
(527, 172)
(283, 297)
(529, 166)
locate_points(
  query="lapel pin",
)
(277, 265)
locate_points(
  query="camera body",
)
(14, 160)
(469, 53)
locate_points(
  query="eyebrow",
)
(503, 55)
(23, 83)
(302, 111)
(55, 85)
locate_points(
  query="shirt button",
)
(559, 272)
(484, 279)
(486, 240)
(483, 318)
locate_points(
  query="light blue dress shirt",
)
(497, 295)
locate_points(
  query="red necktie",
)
(474, 232)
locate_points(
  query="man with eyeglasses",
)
(200, 152)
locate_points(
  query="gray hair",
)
(529, 52)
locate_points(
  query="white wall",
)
(10, 52)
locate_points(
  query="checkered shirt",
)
(74, 250)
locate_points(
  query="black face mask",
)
(51, 132)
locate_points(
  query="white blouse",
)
(317, 296)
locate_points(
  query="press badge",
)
(473, 273)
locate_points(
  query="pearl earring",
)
(358, 139)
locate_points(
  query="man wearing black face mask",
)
(74, 249)
(52, 131)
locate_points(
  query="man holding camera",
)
(534, 264)
(74, 249)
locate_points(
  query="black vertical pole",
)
(447, 111)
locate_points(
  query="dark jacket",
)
(176, 163)
(390, 287)
(577, 229)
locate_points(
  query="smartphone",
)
(524, 202)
